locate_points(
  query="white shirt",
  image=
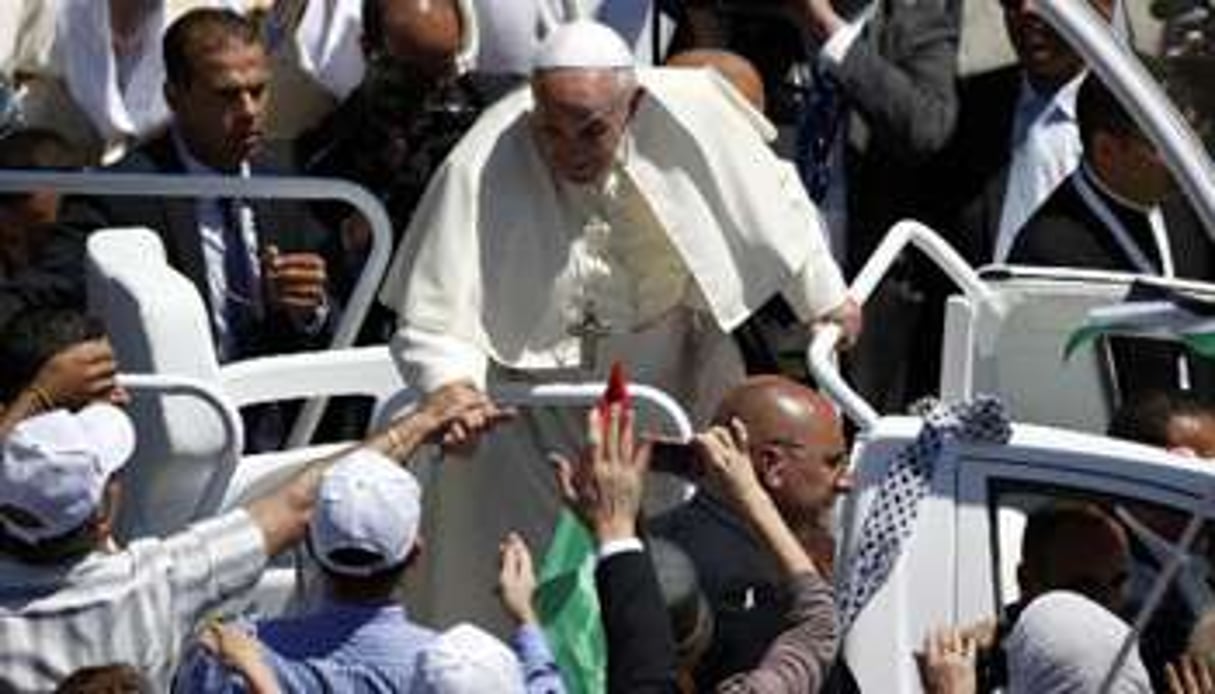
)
(1045, 150)
(211, 223)
(136, 606)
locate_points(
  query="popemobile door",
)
(959, 564)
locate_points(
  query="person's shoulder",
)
(1056, 232)
(155, 155)
(989, 83)
(277, 157)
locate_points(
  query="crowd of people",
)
(560, 202)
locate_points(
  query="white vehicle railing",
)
(821, 353)
(170, 385)
(564, 395)
(256, 188)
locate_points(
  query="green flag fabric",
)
(569, 607)
(1149, 319)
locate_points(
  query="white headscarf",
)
(1064, 643)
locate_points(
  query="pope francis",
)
(606, 213)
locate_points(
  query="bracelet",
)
(42, 399)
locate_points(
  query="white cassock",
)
(696, 226)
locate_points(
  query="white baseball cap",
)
(366, 502)
(55, 466)
(468, 660)
(583, 43)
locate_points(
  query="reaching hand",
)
(516, 579)
(725, 453)
(295, 282)
(463, 415)
(1190, 675)
(604, 487)
(81, 374)
(947, 665)
(240, 652)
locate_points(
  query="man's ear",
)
(769, 467)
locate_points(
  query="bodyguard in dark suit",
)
(255, 263)
(1119, 211)
(1001, 111)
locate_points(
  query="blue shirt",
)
(540, 672)
(338, 648)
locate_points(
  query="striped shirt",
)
(135, 606)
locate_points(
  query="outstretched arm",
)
(283, 514)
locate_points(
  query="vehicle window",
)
(1113, 550)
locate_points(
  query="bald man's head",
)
(424, 34)
(797, 444)
(737, 70)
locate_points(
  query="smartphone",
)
(675, 458)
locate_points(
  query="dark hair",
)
(1146, 418)
(105, 679)
(1046, 527)
(1098, 110)
(34, 336)
(36, 148)
(203, 28)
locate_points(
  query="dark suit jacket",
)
(739, 580)
(640, 648)
(898, 78)
(286, 224)
(1065, 232)
(965, 189)
(900, 81)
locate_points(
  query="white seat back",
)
(158, 324)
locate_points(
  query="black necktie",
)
(240, 300)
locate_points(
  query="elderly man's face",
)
(220, 111)
(1046, 57)
(579, 120)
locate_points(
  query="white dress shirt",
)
(1045, 150)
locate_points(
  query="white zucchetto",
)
(582, 44)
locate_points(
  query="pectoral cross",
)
(589, 331)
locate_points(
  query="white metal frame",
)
(255, 188)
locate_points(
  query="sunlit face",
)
(579, 120)
(220, 112)
(1045, 56)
